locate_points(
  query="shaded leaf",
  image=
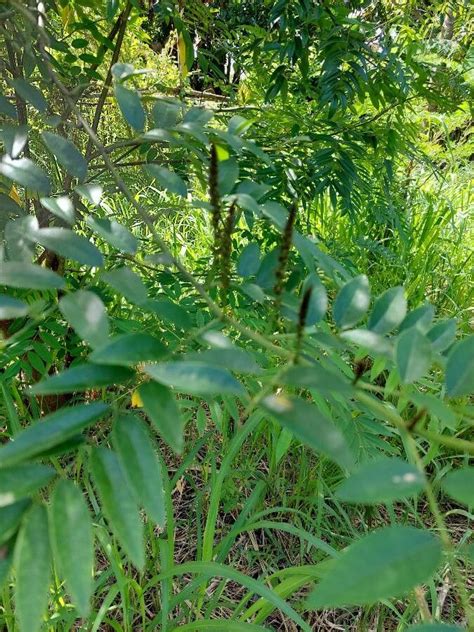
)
(389, 310)
(163, 412)
(382, 480)
(459, 484)
(73, 542)
(30, 93)
(118, 503)
(459, 376)
(86, 314)
(114, 233)
(129, 349)
(51, 431)
(412, 354)
(140, 465)
(11, 307)
(70, 245)
(10, 519)
(131, 106)
(195, 378)
(352, 302)
(386, 563)
(32, 565)
(26, 173)
(29, 275)
(310, 426)
(82, 378)
(248, 262)
(60, 206)
(168, 179)
(443, 334)
(127, 283)
(21, 480)
(67, 154)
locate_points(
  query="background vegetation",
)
(236, 290)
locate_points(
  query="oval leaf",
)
(86, 314)
(140, 465)
(29, 275)
(131, 106)
(389, 310)
(168, 179)
(73, 542)
(114, 234)
(32, 564)
(195, 378)
(163, 412)
(82, 378)
(352, 302)
(26, 173)
(21, 480)
(384, 480)
(51, 431)
(459, 484)
(412, 354)
(118, 503)
(68, 244)
(127, 283)
(310, 426)
(67, 154)
(386, 563)
(129, 349)
(460, 368)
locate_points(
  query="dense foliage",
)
(236, 367)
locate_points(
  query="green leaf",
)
(131, 106)
(29, 275)
(459, 484)
(87, 315)
(352, 302)
(24, 172)
(91, 192)
(318, 301)
(195, 378)
(7, 108)
(383, 480)
(168, 179)
(10, 519)
(310, 426)
(73, 542)
(32, 565)
(30, 93)
(129, 349)
(386, 563)
(19, 247)
(228, 173)
(318, 377)
(67, 154)
(412, 354)
(163, 412)
(140, 465)
(368, 340)
(118, 504)
(68, 244)
(165, 113)
(51, 431)
(21, 480)
(82, 378)
(127, 283)
(389, 310)
(459, 376)
(14, 138)
(60, 206)
(443, 334)
(114, 234)
(248, 262)
(233, 359)
(169, 312)
(421, 318)
(11, 307)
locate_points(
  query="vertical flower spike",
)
(225, 252)
(303, 313)
(280, 272)
(215, 202)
